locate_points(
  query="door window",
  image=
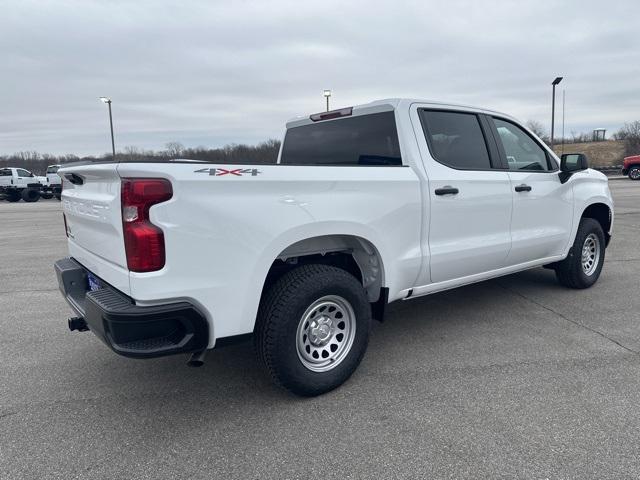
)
(456, 139)
(522, 151)
(23, 173)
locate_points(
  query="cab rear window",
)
(366, 140)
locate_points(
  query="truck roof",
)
(389, 104)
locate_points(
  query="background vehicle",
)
(631, 167)
(17, 183)
(367, 205)
(54, 181)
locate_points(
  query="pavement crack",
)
(621, 214)
(564, 317)
(7, 414)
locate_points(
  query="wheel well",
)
(353, 254)
(602, 214)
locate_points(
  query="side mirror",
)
(573, 162)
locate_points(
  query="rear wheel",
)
(30, 195)
(634, 173)
(583, 265)
(13, 197)
(313, 329)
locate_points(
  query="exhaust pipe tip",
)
(78, 323)
(197, 359)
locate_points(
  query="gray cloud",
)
(210, 73)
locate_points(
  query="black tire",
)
(280, 317)
(30, 195)
(47, 196)
(58, 196)
(13, 197)
(570, 271)
(634, 172)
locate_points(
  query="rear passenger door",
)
(470, 200)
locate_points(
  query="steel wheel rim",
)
(325, 333)
(635, 173)
(590, 254)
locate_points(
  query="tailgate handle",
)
(73, 178)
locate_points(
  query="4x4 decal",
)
(238, 172)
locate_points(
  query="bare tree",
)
(174, 149)
(630, 134)
(537, 128)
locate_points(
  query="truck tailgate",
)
(91, 204)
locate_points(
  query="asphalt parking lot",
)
(513, 378)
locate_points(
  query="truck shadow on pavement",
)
(464, 321)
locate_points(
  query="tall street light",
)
(553, 105)
(327, 94)
(113, 143)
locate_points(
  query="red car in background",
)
(631, 167)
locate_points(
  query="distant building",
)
(599, 134)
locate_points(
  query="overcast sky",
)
(212, 73)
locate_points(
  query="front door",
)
(542, 205)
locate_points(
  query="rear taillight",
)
(143, 241)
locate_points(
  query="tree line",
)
(262, 153)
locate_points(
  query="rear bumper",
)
(128, 329)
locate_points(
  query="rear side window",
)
(456, 139)
(5, 172)
(362, 140)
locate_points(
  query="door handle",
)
(447, 190)
(523, 188)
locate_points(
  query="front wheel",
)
(634, 173)
(583, 265)
(313, 328)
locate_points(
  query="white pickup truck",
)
(54, 181)
(17, 183)
(366, 205)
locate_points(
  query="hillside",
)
(600, 154)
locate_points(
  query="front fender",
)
(589, 187)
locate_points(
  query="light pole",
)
(553, 105)
(327, 94)
(113, 143)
